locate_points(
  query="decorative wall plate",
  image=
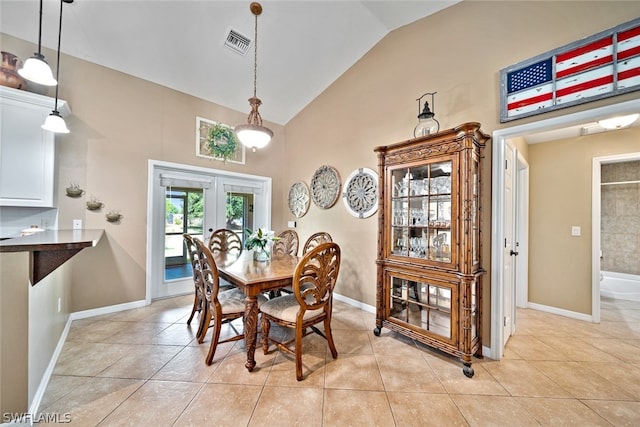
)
(360, 195)
(325, 187)
(299, 199)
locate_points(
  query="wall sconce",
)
(54, 122)
(253, 135)
(36, 68)
(427, 125)
(618, 122)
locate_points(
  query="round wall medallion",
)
(299, 199)
(325, 187)
(360, 195)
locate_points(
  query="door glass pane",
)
(239, 213)
(184, 213)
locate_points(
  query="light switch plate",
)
(575, 230)
(291, 224)
(77, 224)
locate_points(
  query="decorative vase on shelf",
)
(9, 71)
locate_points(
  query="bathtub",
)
(620, 285)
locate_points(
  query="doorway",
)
(189, 199)
(500, 138)
(601, 250)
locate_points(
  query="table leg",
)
(251, 330)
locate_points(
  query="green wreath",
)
(222, 141)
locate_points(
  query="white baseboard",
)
(46, 376)
(44, 382)
(108, 310)
(358, 304)
(560, 312)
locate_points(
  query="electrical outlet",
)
(77, 224)
(575, 230)
(291, 224)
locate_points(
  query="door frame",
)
(155, 209)
(500, 138)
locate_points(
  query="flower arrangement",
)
(260, 241)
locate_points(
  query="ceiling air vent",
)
(237, 42)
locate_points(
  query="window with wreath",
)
(217, 140)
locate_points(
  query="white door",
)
(189, 204)
(174, 190)
(510, 246)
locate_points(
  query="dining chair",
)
(224, 239)
(199, 301)
(222, 307)
(316, 239)
(287, 244)
(311, 302)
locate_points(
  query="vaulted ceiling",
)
(303, 45)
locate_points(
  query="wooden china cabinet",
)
(429, 272)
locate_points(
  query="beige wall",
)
(560, 197)
(119, 122)
(458, 53)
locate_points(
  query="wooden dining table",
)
(254, 278)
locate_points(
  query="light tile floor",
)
(143, 367)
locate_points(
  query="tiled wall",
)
(620, 217)
(14, 219)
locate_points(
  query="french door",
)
(184, 214)
(187, 199)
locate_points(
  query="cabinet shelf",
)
(429, 272)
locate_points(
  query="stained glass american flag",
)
(603, 65)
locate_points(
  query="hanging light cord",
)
(55, 107)
(40, 31)
(255, 56)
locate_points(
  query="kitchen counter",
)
(51, 248)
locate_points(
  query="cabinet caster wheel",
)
(468, 371)
(376, 331)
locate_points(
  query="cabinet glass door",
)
(421, 211)
(425, 304)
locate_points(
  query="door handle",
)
(512, 253)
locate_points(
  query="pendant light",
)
(55, 122)
(253, 135)
(427, 125)
(36, 68)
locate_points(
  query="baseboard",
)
(44, 382)
(108, 309)
(355, 303)
(560, 312)
(46, 376)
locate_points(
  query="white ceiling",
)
(303, 46)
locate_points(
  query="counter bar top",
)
(51, 248)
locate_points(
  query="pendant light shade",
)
(38, 71)
(54, 122)
(253, 135)
(36, 68)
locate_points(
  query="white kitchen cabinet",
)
(27, 152)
